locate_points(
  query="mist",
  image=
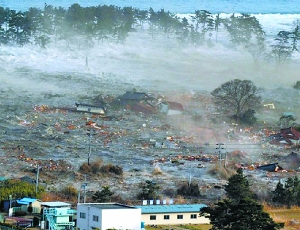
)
(159, 64)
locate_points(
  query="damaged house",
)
(131, 98)
(138, 102)
(170, 108)
(90, 108)
(288, 136)
(273, 167)
(143, 108)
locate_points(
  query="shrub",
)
(248, 117)
(94, 167)
(69, 192)
(85, 168)
(169, 192)
(189, 190)
(110, 168)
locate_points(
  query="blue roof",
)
(26, 200)
(174, 208)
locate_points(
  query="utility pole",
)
(10, 212)
(190, 174)
(37, 180)
(84, 190)
(78, 197)
(89, 133)
(219, 150)
(86, 63)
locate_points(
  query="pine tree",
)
(279, 194)
(239, 211)
(102, 196)
(149, 190)
(238, 187)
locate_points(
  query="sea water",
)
(175, 6)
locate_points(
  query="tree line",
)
(288, 193)
(89, 25)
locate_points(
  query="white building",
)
(173, 214)
(90, 108)
(108, 216)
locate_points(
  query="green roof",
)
(174, 208)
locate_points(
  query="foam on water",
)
(174, 6)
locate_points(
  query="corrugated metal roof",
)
(108, 205)
(174, 208)
(55, 204)
(26, 200)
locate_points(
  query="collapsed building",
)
(287, 137)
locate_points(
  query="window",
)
(152, 217)
(179, 217)
(95, 218)
(193, 216)
(82, 215)
(166, 217)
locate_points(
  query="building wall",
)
(36, 207)
(122, 219)
(62, 219)
(108, 218)
(174, 112)
(91, 109)
(173, 219)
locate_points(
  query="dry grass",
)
(289, 216)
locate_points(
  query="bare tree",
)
(237, 96)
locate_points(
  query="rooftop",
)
(108, 205)
(55, 204)
(174, 208)
(135, 96)
(26, 200)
